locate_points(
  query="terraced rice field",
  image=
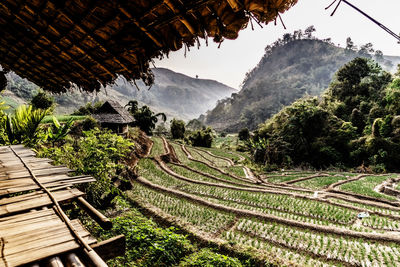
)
(299, 218)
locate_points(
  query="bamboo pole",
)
(102, 220)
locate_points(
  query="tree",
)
(43, 100)
(177, 129)
(309, 31)
(144, 117)
(202, 138)
(244, 134)
(366, 50)
(350, 47)
(89, 108)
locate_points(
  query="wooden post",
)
(54, 262)
(71, 260)
(102, 220)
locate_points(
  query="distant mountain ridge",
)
(291, 68)
(173, 93)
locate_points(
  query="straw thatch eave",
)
(87, 43)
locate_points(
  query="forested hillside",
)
(295, 65)
(173, 93)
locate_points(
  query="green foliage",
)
(177, 129)
(62, 118)
(244, 134)
(58, 132)
(88, 109)
(144, 117)
(97, 153)
(207, 258)
(43, 100)
(146, 243)
(23, 125)
(354, 124)
(202, 138)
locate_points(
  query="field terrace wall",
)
(65, 44)
(34, 230)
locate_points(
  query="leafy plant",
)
(23, 125)
(58, 132)
(97, 153)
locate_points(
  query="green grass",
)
(62, 118)
(285, 178)
(158, 147)
(365, 186)
(320, 182)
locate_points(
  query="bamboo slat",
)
(30, 201)
(28, 235)
(25, 240)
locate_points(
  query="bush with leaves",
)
(177, 129)
(244, 134)
(97, 153)
(43, 100)
(146, 243)
(203, 138)
(89, 108)
(208, 258)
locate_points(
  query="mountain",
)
(173, 93)
(292, 67)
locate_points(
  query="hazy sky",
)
(234, 58)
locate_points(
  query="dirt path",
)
(230, 162)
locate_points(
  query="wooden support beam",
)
(111, 248)
(72, 260)
(54, 262)
(102, 220)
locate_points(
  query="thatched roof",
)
(89, 43)
(112, 112)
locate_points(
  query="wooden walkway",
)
(33, 228)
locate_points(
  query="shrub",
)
(147, 244)
(43, 100)
(89, 108)
(177, 129)
(97, 153)
(201, 138)
(207, 258)
(244, 134)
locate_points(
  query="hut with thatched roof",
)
(113, 116)
(60, 45)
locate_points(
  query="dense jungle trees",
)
(355, 122)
